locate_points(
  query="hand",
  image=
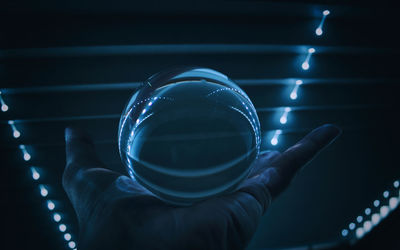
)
(115, 212)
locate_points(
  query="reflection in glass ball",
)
(189, 134)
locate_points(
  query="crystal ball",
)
(189, 134)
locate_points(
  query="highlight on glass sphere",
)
(189, 134)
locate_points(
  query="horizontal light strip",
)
(240, 82)
(259, 110)
(323, 107)
(125, 50)
(285, 132)
(66, 118)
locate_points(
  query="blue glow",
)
(305, 65)
(359, 218)
(4, 107)
(393, 202)
(367, 226)
(360, 232)
(274, 140)
(352, 226)
(384, 211)
(67, 236)
(293, 94)
(16, 134)
(386, 194)
(35, 174)
(376, 203)
(71, 244)
(27, 156)
(62, 227)
(367, 211)
(283, 118)
(375, 218)
(318, 31)
(56, 217)
(50, 205)
(345, 232)
(43, 191)
(396, 184)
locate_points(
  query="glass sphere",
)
(188, 134)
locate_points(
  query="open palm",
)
(115, 212)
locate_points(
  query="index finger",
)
(294, 158)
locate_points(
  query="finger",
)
(80, 154)
(263, 162)
(239, 213)
(80, 148)
(246, 206)
(290, 161)
(85, 177)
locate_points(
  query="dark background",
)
(76, 64)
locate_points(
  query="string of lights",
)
(306, 64)
(16, 132)
(391, 200)
(372, 216)
(4, 106)
(319, 31)
(294, 93)
(43, 188)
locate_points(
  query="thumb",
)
(79, 148)
(80, 155)
(85, 177)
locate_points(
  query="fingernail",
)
(334, 127)
(336, 131)
(328, 133)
